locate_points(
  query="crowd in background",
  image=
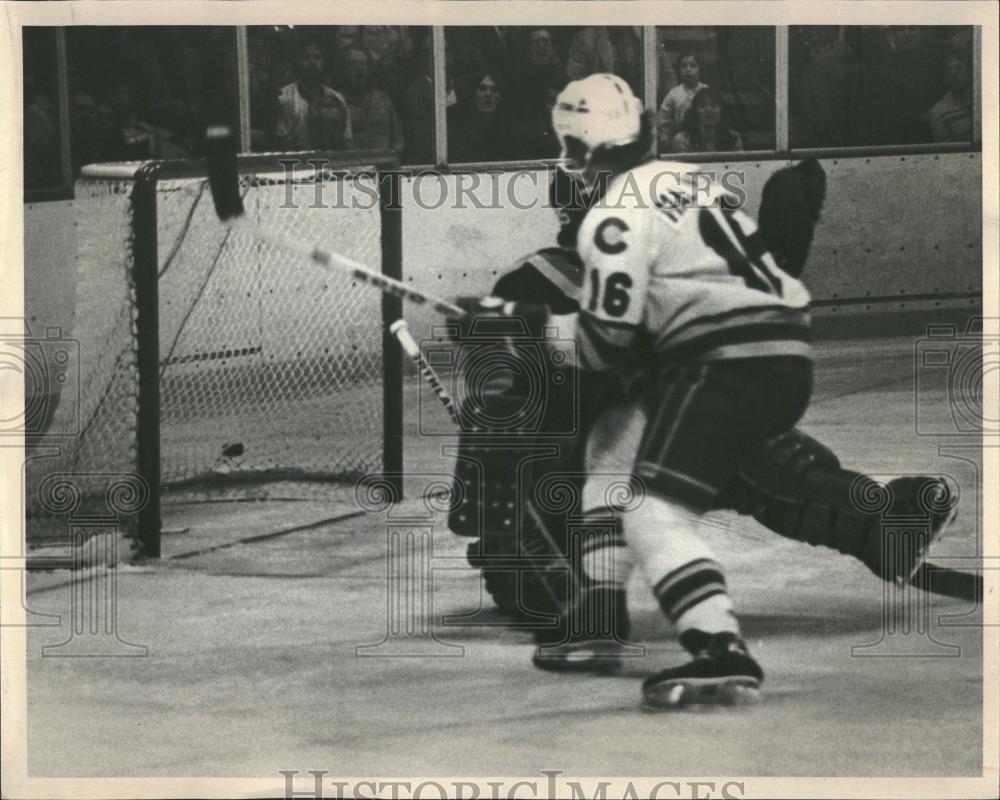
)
(342, 88)
(134, 93)
(138, 93)
(504, 82)
(858, 86)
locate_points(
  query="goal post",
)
(207, 357)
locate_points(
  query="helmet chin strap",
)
(583, 173)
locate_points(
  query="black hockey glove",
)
(492, 317)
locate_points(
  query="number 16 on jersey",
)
(613, 296)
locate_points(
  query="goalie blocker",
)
(794, 485)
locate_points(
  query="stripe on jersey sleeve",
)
(603, 342)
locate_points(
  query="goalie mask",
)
(594, 112)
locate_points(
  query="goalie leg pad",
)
(485, 488)
(796, 487)
(522, 548)
(521, 551)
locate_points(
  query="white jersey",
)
(673, 272)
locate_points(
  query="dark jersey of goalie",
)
(553, 276)
(571, 201)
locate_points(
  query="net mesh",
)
(270, 367)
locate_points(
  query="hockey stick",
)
(401, 331)
(949, 582)
(223, 179)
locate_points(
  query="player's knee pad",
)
(505, 446)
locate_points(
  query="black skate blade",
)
(936, 533)
(597, 658)
(692, 693)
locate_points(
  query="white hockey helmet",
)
(599, 111)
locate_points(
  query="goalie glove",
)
(493, 317)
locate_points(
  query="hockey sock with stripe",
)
(687, 581)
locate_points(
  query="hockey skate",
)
(721, 672)
(591, 637)
(902, 549)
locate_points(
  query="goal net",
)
(207, 356)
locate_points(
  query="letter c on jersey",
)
(608, 236)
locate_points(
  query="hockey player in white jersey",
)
(794, 485)
(682, 301)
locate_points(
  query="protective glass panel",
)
(879, 85)
(716, 89)
(42, 156)
(343, 87)
(503, 81)
(138, 93)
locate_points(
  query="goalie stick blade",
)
(223, 177)
(949, 582)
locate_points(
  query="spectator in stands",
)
(541, 55)
(385, 40)
(951, 116)
(391, 52)
(706, 126)
(347, 36)
(181, 132)
(471, 51)
(326, 123)
(392, 76)
(603, 48)
(899, 83)
(678, 99)
(298, 122)
(90, 138)
(41, 143)
(824, 82)
(532, 135)
(666, 58)
(530, 93)
(133, 138)
(418, 111)
(531, 75)
(374, 123)
(475, 130)
(263, 101)
(417, 107)
(84, 131)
